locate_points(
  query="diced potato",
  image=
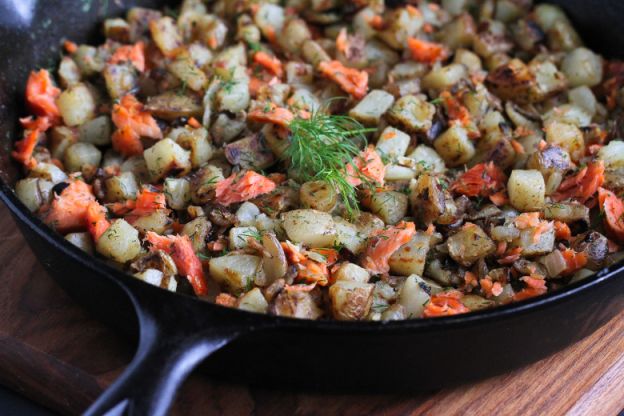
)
(294, 34)
(584, 98)
(390, 206)
(178, 192)
(414, 296)
(247, 213)
(468, 59)
(76, 104)
(49, 172)
(310, 227)
(305, 100)
(226, 128)
(270, 19)
(612, 154)
(427, 199)
(547, 14)
(119, 242)
(120, 79)
(548, 80)
(349, 236)
(296, 304)
(266, 224)
(253, 301)
(61, 137)
(318, 195)
(459, 33)
(166, 35)
(33, 192)
(157, 278)
(165, 157)
(81, 240)
(313, 53)
(402, 24)
(512, 81)
(454, 146)
(568, 137)
(351, 300)
(227, 61)
(568, 114)
(136, 165)
(544, 245)
(117, 29)
(427, 159)
(372, 107)
(351, 272)
(197, 230)
(412, 113)
(89, 60)
(444, 78)
(212, 30)
(470, 244)
(81, 154)
(204, 182)
(197, 142)
(233, 95)
(200, 55)
(185, 70)
(392, 143)
(582, 67)
(121, 187)
(410, 258)
(398, 173)
(526, 190)
(97, 131)
(68, 72)
(158, 222)
(238, 236)
(563, 37)
(235, 271)
(362, 23)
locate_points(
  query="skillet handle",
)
(176, 335)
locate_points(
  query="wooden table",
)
(54, 353)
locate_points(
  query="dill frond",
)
(322, 146)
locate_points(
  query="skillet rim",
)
(514, 309)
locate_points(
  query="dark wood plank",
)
(54, 353)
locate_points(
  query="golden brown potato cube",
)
(372, 107)
(470, 244)
(76, 104)
(454, 146)
(166, 35)
(526, 189)
(167, 156)
(351, 301)
(412, 113)
(390, 206)
(410, 258)
(512, 81)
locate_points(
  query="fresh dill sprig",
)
(322, 146)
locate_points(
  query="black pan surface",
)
(177, 332)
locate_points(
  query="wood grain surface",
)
(54, 353)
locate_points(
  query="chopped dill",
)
(256, 235)
(320, 149)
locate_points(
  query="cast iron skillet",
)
(176, 332)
